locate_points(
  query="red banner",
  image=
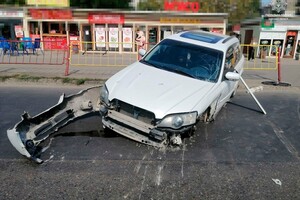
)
(106, 19)
(50, 14)
(54, 43)
(183, 6)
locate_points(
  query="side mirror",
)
(232, 76)
(142, 52)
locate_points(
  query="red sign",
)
(106, 19)
(50, 14)
(54, 43)
(184, 6)
(19, 31)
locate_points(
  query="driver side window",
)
(233, 56)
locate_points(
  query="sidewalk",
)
(290, 72)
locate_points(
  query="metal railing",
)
(28, 52)
(260, 57)
(102, 54)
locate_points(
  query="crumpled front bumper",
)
(134, 129)
(26, 135)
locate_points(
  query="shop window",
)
(113, 38)
(165, 31)
(6, 32)
(290, 40)
(264, 48)
(73, 30)
(54, 28)
(34, 28)
(127, 38)
(178, 29)
(276, 44)
(152, 37)
(100, 37)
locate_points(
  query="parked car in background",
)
(184, 79)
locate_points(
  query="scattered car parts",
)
(26, 135)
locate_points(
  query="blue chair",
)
(28, 44)
(8, 46)
(37, 45)
(1, 45)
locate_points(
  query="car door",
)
(233, 62)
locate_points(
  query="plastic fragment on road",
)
(277, 181)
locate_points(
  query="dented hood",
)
(159, 91)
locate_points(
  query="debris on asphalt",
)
(277, 181)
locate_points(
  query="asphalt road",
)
(242, 155)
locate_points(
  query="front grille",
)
(134, 112)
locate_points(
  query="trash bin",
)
(297, 56)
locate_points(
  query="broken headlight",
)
(104, 95)
(177, 121)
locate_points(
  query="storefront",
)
(11, 23)
(281, 31)
(114, 30)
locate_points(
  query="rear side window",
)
(233, 56)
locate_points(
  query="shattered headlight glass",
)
(177, 121)
(104, 95)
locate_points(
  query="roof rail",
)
(227, 39)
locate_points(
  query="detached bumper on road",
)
(26, 135)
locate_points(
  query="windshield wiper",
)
(150, 63)
(182, 73)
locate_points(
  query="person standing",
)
(251, 50)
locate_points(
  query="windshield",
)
(186, 59)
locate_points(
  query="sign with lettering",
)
(113, 37)
(19, 31)
(100, 36)
(54, 3)
(184, 6)
(11, 14)
(127, 37)
(50, 13)
(106, 19)
(180, 20)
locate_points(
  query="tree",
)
(122, 4)
(151, 5)
(13, 2)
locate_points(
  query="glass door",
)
(290, 42)
(87, 37)
(152, 36)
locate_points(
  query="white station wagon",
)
(186, 78)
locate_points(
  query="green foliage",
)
(122, 4)
(151, 5)
(13, 2)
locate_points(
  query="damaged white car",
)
(184, 79)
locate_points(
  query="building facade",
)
(105, 29)
(11, 21)
(281, 29)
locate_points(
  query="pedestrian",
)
(251, 50)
